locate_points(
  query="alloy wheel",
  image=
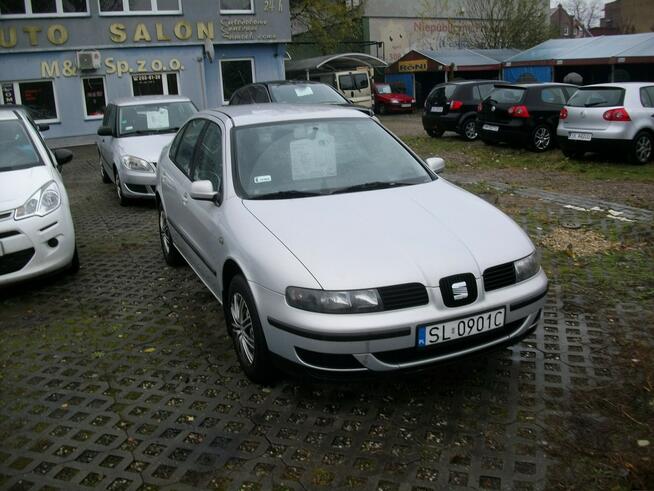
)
(542, 138)
(242, 328)
(470, 130)
(164, 232)
(643, 148)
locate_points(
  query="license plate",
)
(406, 105)
(490, 127)
(584, 137)
(437, 109)
(460, 328)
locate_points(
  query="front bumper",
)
(138, 184)
(35, 246)
(398, 106)
(387, 341)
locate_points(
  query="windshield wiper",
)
(165, 130)
(287, 195)
(370, 186)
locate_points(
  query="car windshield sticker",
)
(313, 157)
(303, 91)
(158, 119)
(262, 179)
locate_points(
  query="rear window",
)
(306, 94)
(355, 81)
(442, 94)
(509, 95)
(597, 97)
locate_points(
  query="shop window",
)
(95, 99)
(236, 6)
(39, 96)
(45, 8)
(139, 7)
(235, 74)
(155, 84)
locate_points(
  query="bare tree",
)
(588, 12)
(506, 23)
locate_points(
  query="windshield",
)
(507, 95)
(308, 158)
(150, 119)
(18, 151)
(306, 94)
(442, 94)
(384, 89)
(597, 97)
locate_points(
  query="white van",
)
(355, 85)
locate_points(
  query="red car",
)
(387, 101)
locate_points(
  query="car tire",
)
(247, 335)
(435, 132)
(541, 138)
(469, 129)
(119, 190)
(642, 148)
(170, 253)
(103, 173)
(73, 267)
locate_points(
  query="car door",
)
(105, 143)
(204, 220)
(176, 184)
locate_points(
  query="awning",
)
(336, 62)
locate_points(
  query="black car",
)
(527, 114)
(452, 106)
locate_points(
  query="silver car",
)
(335, 248)
(609, 117)
(133, 132)
(37, 235)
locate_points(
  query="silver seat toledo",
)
(334, 247)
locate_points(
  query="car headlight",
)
(43, 202)
(394, 101)
(526, 267)
(334, 302)
(136, 164)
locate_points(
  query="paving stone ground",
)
(122, 377)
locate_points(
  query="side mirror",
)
(436, 164)
(62, 156)
(203, 191)
(43, 127)
(105, 131)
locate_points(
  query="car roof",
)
(469, 82)
(287, 82)
(249, 114)
(619, 84)
(531, 85)
(148, 99)
(8, 114)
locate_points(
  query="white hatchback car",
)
(133, 132)
(334, 247)
(36, 228)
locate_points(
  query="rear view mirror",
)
(43, 127)
(203, 191)
(62, 156)
(436, 164)
(105, 131)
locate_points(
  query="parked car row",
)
(616, 117)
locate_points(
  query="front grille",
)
(499, 277)
(11, 233)
(447, 293)
(328, 360)
(408, 355)
(403, 296)
(5, 215)
(10, 263)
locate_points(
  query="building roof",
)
(571, 51)
(340, 61)
(469, 57)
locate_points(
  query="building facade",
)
(67, 58)
(628, 17)
(565, 25)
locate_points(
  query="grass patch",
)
(462, 155)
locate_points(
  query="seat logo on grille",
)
(460, 290)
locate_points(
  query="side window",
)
(209, 157)
(553, 95)
(485, 90)
(647, 96)
(175, 144)
(346, 82)
(109, 114)
(260, 94)
(187, 144)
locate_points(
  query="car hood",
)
(18, 185)
(146, 147)
(402, 235)
(399, 97)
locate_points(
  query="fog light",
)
(53, 242)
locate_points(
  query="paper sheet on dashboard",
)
(313, 158)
